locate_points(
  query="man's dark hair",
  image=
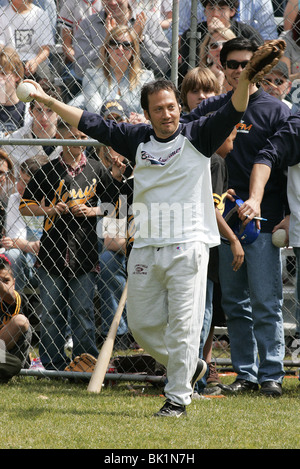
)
(237, 43)
(232, 4)
(155, 87)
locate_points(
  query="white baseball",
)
(23, 91)
(278, 238)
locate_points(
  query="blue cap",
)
(246, 234)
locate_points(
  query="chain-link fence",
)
(69, 263)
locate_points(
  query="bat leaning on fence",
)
(101, 366)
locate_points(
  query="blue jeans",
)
(111, 283)
(207, 320)
(252, 302)
(60, 297)
(297, 314)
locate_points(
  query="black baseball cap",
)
(115, 106)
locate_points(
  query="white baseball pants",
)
(165, 308)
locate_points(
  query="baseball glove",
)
(83, 363)
(264, 59)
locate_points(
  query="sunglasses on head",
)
(234, 64)
(216, 44)
(116, 44)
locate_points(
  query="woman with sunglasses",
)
(292, 58)
(120, 75)
(209, 53)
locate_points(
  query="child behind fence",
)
(15, 329)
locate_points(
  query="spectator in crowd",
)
(198, 84)
(219, 14)
(13, 112)
(27, 28)
(90, 36)
(48, 5)
(67, 191)
(163, 8)
(166, 14)
(257, 13)
(252, 296)
(292, 59)
(120, 75)
(214, 313)
(7, 184)
(112, 276)
(292, 52)
(71, 13)
(290, 14)
(15, 329)
(209, 54)
(277, 82)
(41, 125)
(280, 149)
(22, 234)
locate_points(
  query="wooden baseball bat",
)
(98, 375)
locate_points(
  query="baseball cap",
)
(281, 67)
(115, 106)
(246, 234)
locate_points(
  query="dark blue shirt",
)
(12, 117)
(264, 116)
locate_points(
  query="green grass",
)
(56, 414)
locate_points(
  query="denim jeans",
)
(297, 314)
(252, 302)
(62, 299)
(111, 282)
(207, 320)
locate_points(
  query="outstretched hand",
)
(39, 95)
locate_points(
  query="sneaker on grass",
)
(171, 409)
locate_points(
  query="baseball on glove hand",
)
(264, 59)
(83, 363)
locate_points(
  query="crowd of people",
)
(64, 230)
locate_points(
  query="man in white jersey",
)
(175, 223)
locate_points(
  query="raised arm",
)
(240, 97)
(70, 114)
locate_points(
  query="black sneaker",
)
(171, 409)
(199, 373)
